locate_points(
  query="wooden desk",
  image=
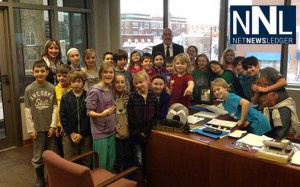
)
(177, 159)
(233, 167)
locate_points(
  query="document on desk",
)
(217, 109)
(296, 158)
(222, 123)
(254, 140)
(206, 114)
(194, 119)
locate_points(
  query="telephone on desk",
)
(276, 151)
(283, 147)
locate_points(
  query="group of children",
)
(70, 120)
(237, 81)
(112, 110)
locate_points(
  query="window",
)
(186, 25)
(33, 28)
(71, 32)
(267, 55)
(31, 56)
(150, 15)
(72, 3)
(29, 38)
(146, 25)
(293, 69)
(37, 2)
(135, 25)
(153, 26)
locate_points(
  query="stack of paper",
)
(296, 158)
(254, 140)
(194, 119)
(237, 134)
(206, 114)
(222, 123)
(217, 109)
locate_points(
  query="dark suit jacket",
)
(177, 49)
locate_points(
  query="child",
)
(147, 63)
(181, 84)
(227, 59)
(73, 59)
(52, 57)
(101, 109)
(200, 75)
(192, 51)
(134, 64)
(163, 98)
(74, 119)
(159, 63)
(62, 88)
(269, 92)
(251, 119)
(244, 79)
(40, 112)
(121, 97)
(90, 68)
(108, 58)
(216, 70)
(143, 112)
(169, 69)
(120, 61)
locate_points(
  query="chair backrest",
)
(63, 173)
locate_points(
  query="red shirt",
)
(177, 87)
(151, 75)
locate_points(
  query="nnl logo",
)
(263, 25)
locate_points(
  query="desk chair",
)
(66, 173)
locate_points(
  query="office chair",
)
(66, 173)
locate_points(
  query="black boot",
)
(40, 181)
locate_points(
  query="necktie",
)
(168, 52)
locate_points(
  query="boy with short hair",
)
(147, 63)
(61, 88)
(40, 112)
(242, 76)
(108, 57)
(120, 61)
(170, 69)
(268, 91)
(163, 98)
(74, 119)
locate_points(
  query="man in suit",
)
(167, 48)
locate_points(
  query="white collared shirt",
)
(170, 49)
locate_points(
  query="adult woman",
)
(52, 57)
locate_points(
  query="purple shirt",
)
(98, 100)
